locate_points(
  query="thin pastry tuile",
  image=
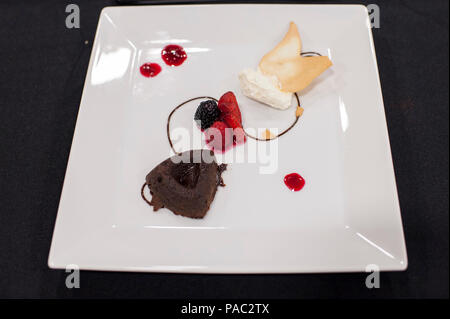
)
(293, 71)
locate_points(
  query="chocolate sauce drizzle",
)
(143, 195)
(310, 53)
(221, 169)
(175, 109)
(305, 54)
(282, 133)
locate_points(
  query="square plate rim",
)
(216, 270)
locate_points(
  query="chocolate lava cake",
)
(185, 183)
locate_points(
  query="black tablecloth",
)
(43, 65)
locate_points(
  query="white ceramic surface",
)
(345, 218)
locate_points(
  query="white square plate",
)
(347, 216)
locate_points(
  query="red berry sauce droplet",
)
(173, 55)
(150, 70)
(294, 182)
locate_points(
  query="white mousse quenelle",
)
(282, 72)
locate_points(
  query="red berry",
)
(238, 131)
(228, 97)
(239, 136)
(228, 130)
(231, 120)
(228, 104)
(219, 137)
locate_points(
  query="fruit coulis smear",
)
(294, 182)
(150, 70)
(173, 55)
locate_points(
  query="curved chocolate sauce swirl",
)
(175, 109)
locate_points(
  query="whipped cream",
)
(263, 88)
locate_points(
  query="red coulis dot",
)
(150, 70)
(173, 55)
(294, 182)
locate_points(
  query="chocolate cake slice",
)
(185, 183)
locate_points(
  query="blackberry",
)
(207, 113)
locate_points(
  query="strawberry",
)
(219, 136)
(228, 105)
(231, 120)
(238, 132)
(228, 97)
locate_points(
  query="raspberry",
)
(239, 136)
(207, 113)
(219, 136)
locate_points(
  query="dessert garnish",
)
(282, 72)
(226, 128)
(294, 182)
(267, 134)
(173, 112)
(219, 137)
(229, 110)
(150, 70)
(230, 116)
(299, 111)
(220, 120)
(185, 183)
(294, 71)
(173, 55)
(298, 114)
(207, 113)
